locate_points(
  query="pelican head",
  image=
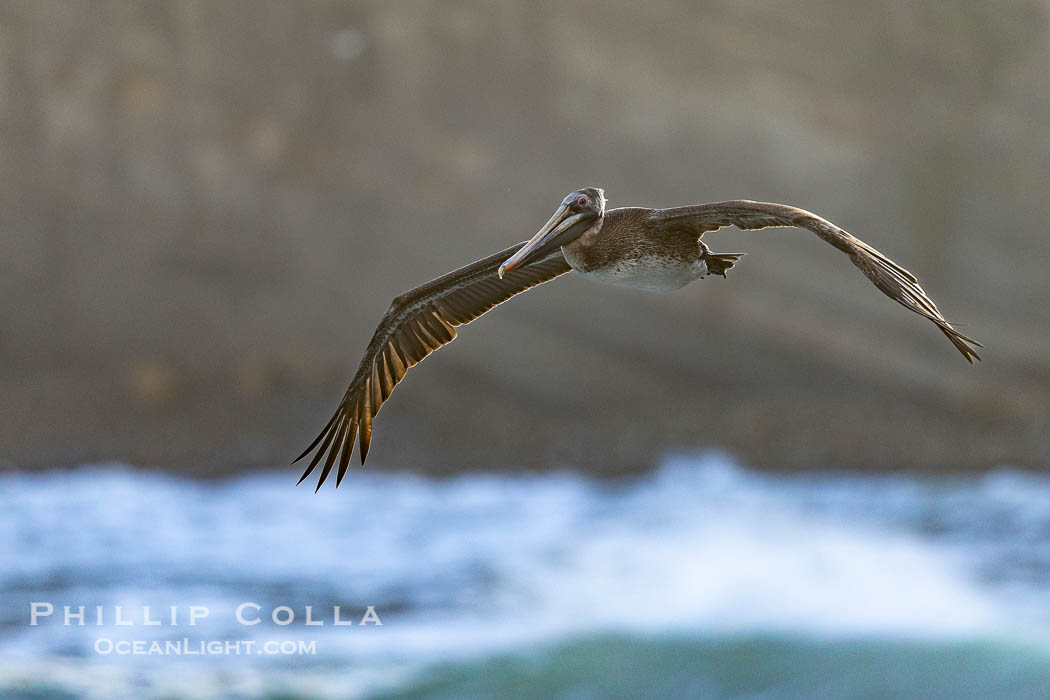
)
(576, 213)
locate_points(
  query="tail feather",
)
(719, 263)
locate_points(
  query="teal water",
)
(702, 579)
(754, 667)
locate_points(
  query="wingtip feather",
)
(328, 434)
(348, 450)
(320, 435)
(963, 344)
(366, 442)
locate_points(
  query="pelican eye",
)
(582, 201)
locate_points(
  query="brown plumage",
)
(417, 323)
(656, 249)
(894, 281)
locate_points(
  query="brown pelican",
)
(654, 249)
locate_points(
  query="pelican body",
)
(621, 249)
(651, 249)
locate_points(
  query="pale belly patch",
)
(652, 273)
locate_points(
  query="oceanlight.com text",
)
(203, 647)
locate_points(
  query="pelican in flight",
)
(653, 249)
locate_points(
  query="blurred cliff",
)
(206, 207)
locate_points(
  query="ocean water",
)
(702, 579)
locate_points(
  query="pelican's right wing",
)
(417, 323)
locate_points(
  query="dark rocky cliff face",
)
(205, 208)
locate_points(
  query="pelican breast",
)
(626, 250)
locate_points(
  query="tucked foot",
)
(718, 263)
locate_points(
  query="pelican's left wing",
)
(417, 323)
(894, 281)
